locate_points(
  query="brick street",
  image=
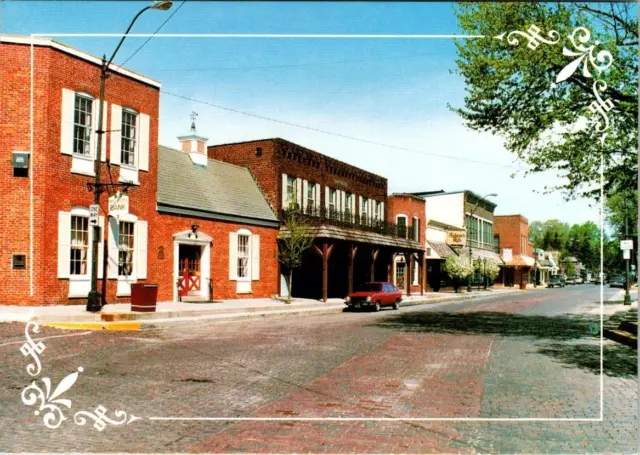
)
(518, 356)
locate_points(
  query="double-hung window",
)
(291, 191)
(243, 256)
(401, 221)
(311, 199)
(82, 125)
(332, 201)
(128, 137)
(125, 248)
(364, 210)
(79, 245)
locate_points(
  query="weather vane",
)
(193, 116)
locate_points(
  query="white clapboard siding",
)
(285, 201)
(66, 121)
(116, 134)
(255, 257)
(233, 255)
(64, 244)
(101, 248)
(112, 260)
(141, 249)
(143, 142)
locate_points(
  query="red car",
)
(374, 295)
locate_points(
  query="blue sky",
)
(387, 91)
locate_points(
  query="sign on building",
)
(507, 255)
(118, 205)
(626, 244)
(457, 238)
(626, 254)
(94, 214)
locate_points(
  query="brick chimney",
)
(194, 145)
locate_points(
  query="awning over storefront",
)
(478, 253)
(520, 260)
(440, 249)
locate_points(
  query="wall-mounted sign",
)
(626, 254)
(456, 238)
(94, 214)
(118, 205)
(507, 255)
(626, 244)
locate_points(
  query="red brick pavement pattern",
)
(408, 375)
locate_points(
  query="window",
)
(401, 221)
(125, 248)
(291, 190)
(82, 125)
(128, 137)
(415, 273)
(332, 200)
(311, 199)
(378, 210)
(243, 256)
(364, 209)
(79, 245)
(348, 202)
(19, 262)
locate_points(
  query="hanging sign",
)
(94, 214)
(118, 205)
(626, 244)
(456, 238)
(507, 255)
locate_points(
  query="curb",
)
(116, 326)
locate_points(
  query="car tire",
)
(376, 307)
(396, 305)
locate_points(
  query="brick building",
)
(48, 147)
(517, 250)
(407, 212)
(214, 235)
(347, 207)
(458, 222)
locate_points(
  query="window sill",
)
(82, 172)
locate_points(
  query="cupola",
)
(194, 144)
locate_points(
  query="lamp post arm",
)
(125, 35)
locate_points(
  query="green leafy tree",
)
(512, 90)
(458, 268)
(296, 237)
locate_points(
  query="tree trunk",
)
(289, 285)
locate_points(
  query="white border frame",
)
(532, 35)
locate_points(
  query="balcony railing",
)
(348, 219)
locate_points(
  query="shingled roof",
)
(220, 191)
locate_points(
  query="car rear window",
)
(368, 287)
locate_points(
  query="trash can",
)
(143, 297)
(523, 286)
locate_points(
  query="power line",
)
(154, 33)
(330, 133)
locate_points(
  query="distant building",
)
(517, 250)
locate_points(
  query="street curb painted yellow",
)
(120, 326)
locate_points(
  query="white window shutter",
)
(103, 149)
(66, 122)
(343, 197)
(327, 196)
(116, 136)
(233, 255)
(285, 199)
(255, 257)
(382, 216)
(64, 244)
(101, 249)
(143, 142)
(112, 260)
(141, 249)
(299, 192)
(94, 126)
(305, 188)
(316, 197)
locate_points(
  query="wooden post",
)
(352, 254)
(374, 256)
(324, 253)
(408, 278)
(422, 271)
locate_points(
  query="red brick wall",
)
(161, 271)
(283, 157)
(55, 188)
(511, 229)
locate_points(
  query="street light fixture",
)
(94, 300)
(470, 248)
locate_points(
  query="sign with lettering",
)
(626, 244)
(94, 214)
(118, 205)
(456, 238)
(507, 255)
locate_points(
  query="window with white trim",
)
(128, 137)
(79, 253)
(83, 106)
(126, 251)
(364, 210)
(311, 196)
(348, 202)
(332, 200)
(378, 210)
(243, 256)
(401, 222)
(291, 190)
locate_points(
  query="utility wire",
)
(344, 136)
(154, 33)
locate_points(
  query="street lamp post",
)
(470, 248)
(627, 297)
(94, 299)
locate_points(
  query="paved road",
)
(519, 356)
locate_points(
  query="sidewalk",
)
(120, 317)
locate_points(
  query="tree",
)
(297, 236)
(458, 268)
(536, 234)
(513, 90)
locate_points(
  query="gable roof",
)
(220, 191)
